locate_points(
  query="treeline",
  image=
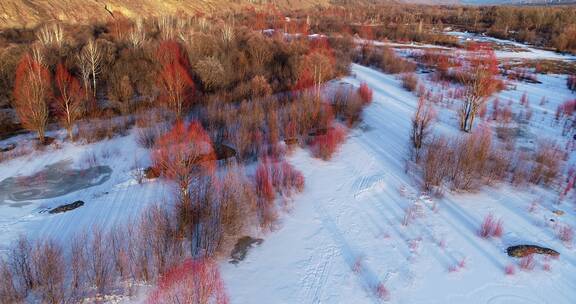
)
(546, 26)
(125, 65)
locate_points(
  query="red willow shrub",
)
(527, 263)
(32, 89)
(273, 177)
(316, 67)
(365, 93)
(176, 85)
(495, 109)
(491, 227)
(510, 269)
(567, 109)
(478, 75)
(286, 178)
(265, 193)
(325, 145)
(546, 163)
(565, 233)
(183, 154)
(195, 281)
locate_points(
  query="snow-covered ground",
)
(345, 235)
(511, 49)
(112, 202)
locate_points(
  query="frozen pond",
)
(55, 180)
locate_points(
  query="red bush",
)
(565, 233)
(324, 145)
(184, 153)
(478, 75)
(357, 266)
(510, 270)
(382, 292)
(365, 93)
(491, 227)
(192, 282)
(286, 178)
(495, 109)
(527, 263)
(264, 182)
(177, 87)
(305, 81)
(566, 109)
(265, 192)
(272, 177)
(524, 100)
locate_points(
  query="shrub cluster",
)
(274, 177)
(385, 59)
(325, 145)
(410, 82)
(467, 162)
(491, 227)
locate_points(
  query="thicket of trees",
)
(123, 66)
(553, 27)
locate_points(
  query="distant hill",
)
(519, 2)
(28, 13)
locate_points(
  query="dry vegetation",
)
(206, 98)
(208, 95)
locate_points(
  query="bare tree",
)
(166, 27)
(51, 35)
(90, 59)
(78, 265)
(21, 263)
(227, 33)
(421, 122)
(165, 249)
(50, 271)
(70, 102)
(137, 36)
(211, 72)
(99, 267)
(115, 241)
(141, 252)
(259, 51)
(84, 67)
(8, 291)
(478, 76)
